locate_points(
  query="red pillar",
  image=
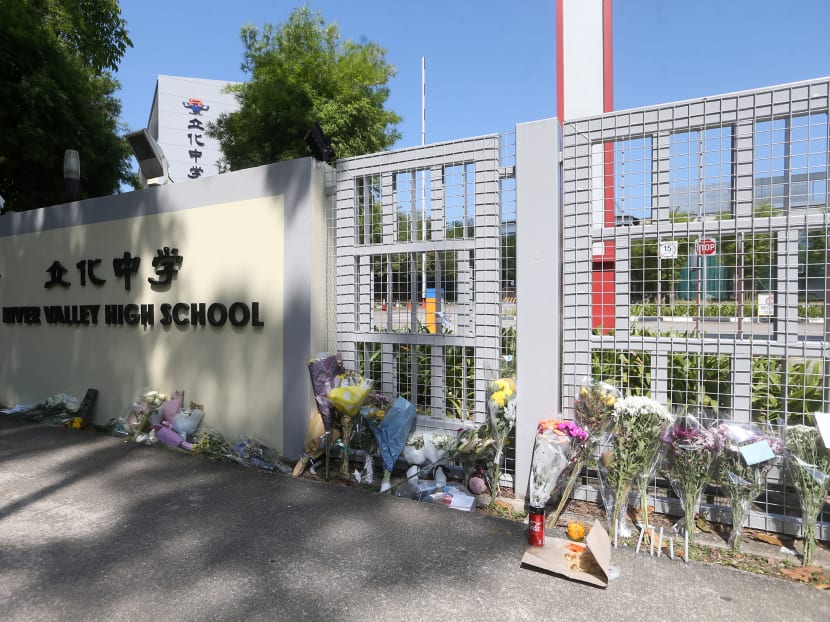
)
(583, 100)
(603, 304)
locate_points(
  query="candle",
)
(660, 543)
(640, 540)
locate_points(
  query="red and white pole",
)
(585, 87)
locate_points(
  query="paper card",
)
(823, 425)
(759, 451)
(556, 557)
(462, 502)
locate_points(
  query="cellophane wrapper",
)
(551, 452)
(323, 369)
(593, 409)
(689, 455)
(741, 482)
(629, 450)
(808, 467)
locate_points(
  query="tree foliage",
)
(753, 256)
(301, 73)
(647, 270)
(58, 94)
(754, 253)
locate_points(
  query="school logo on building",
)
(195, 105)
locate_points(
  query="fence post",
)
(538, 285)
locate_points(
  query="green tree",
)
(755, 253)
(301, 73)
(812, 263)
(58, 93)
(647, 269)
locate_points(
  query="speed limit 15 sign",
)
(668, 250)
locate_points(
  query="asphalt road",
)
(92, 528)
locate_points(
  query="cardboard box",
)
(560, 556)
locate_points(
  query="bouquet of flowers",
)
(557, 443)
(593, 407)
(375, 407)
(637, 429)
(690, 450)
(809, 468)
(214, 446)
(136, 417)
(372, 413)
(643, 479)
(347, 396)
(744, 456)
(437, 445)
(487, 442)
(430, 447)
(322, 370)
(501, 408)
(57, 409)
(413, 451)
(391, 434)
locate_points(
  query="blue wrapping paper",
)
(393, 430)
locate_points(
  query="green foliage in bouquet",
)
(691, 454)
(808, 466)
(741, 482)
(593, 409)
(638, 425)
(214, 446)
(487, 442)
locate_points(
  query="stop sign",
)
(706, 246)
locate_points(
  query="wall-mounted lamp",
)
(71, 173)
(151, 160)
(319, 144)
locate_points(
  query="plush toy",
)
(477, 484)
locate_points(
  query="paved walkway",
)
(92, 528)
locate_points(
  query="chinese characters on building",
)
(195, 135)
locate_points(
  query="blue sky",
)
(492, 64)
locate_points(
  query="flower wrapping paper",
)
(323, 370)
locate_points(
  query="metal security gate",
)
(696, 232)
(423, 240)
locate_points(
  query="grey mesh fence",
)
(423, 241)
(696, 233)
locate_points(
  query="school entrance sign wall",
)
(214, 286)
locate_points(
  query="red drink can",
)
(536, 527)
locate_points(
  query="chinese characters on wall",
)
(166, 264)
(90, 272)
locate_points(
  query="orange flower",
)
(549, 425)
